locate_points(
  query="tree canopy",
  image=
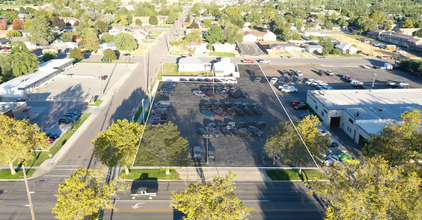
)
(214, 35)
(371, 190)
(17, 24)
(17, 64)
(194, 35)
(17, 140)
(84, 194)
(213, 200)
(76, 54)
(162, 146)
(232, 34)
(91, 41)
(49, 55)
(125, 41)
(118, 145)
(153, 20)
(40, 31)
(18, 47)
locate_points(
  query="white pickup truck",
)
(356, 83)
(285, 88)
(143, 192)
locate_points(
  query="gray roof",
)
(4, 40)
(314, 46)
(394, 34)
(190, 60)
(281, 45)
(23, 39)
(342, 45)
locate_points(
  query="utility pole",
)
(373, 81)
(31, 207)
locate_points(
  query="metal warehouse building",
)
(363, 112)
(19, 87)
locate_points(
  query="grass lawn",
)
(357, 37)
(316, 38)
(142, 49)
(156, 32)
(150, 175)
(97, 103)
(6, 174)
(41, 156)
(344, 56)
(161, 26)
(137, 114)
(222, 54)
(170, 69)
(293, 175)
(148, 41)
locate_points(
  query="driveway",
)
(251, 49)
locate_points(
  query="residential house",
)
(22, 16)
(313, 33)
(282, 46)
(407, 31)
(375, 33)
(57, 30)
(226, 48)
(110, 45)
(253, 36)
(313, 48)
(198, 48)
(415, 43)
(116, 30)
(144, 19)
(25, 33)
(71, 20)
(25, 40)
(193, 64)
(395, 38)
(346, 48)
(139, 32)
(224, 68)
(336, 28)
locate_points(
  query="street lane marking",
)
(279, 210)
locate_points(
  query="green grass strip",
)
(293, 175)
(97, 103)
(149, 175)
(137, 114)
(6, 174)
(41, 156)
(222, 54)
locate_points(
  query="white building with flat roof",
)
(361, 113)
(19, 87)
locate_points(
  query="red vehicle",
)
(219, 112)
(50, 140)
(294, 103)
(217, 81)
(248, 61)
(209, 93)
(208, 80)
(362, 39)
(104, 77)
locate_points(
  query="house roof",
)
(271, 45)
(143, 19)
(314, 46)
(190, 60)
(414, 40)
(257, 33)
(120, 28)
(4, 40)
(23, 39)
(342, 46)
(193, 43)
(397, 35)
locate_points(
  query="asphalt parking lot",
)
(251, 49)
(230, 151)
(84, 84)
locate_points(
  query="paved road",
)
(352, 62)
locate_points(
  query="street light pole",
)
(373, 80)
(31, 207)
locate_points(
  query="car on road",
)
(248, 61)
(245, 132)
(257, 111)
(105, 60)
(323, 132)
(264, 61)
(143, 192)
(329, 73)
(239, 111)
(349, 159)
(300, 107)
(219, 112)
(208, 113)
(304, 115)
(203, 133)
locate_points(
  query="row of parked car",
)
(208, 80)
(167, 89)
(158, 113)
(69, 117)
(241, 129)
(237, 108)
(223, 91)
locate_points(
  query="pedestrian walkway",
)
(145, 105)
(208, 173)
(294, 54)
(50, 164)
(310, 55)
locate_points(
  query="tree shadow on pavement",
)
(128, 107)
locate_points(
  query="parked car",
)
(245, 95)
(299, 73)
(248, 61)
(321, 72)
(323, 132)
(260, 124)
(66, 120)
(225, 131)
(255, 105)
(209, 93)
(264, 61)
(223, 94)
(245, 132)
(203, 133)
(257, 111)
(334, 158)
(295, 102)
(292, 73)
(265, 159)
(239, 111)
(199, 93)
(274, 80)
(208, 113)
(235, 132)
(193, 80)
(288, 89)
(404, 84)
(103, 77)
(300, 107)
(285, 73)
(304, 115)
(231, 112)
(257, 80)
(53, 136)
(183, 80)
(349, 159)
(215, 132)
(219, 112)
(299, 80)
(329, 73)
(255, 131)
(248, 111)
(241, 125)
(390, 83)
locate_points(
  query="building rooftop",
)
(44, 70)
(380, 98)
(190, 60)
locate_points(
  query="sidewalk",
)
(50, 164)
(294, 54)
(207, 173)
